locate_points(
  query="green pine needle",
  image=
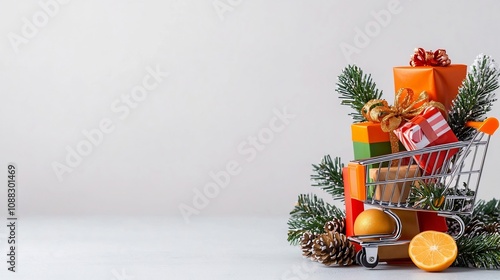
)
(481, 251)
(355, 89)
(310, 215)
(475, 96)
(329, 176)
(486, 212)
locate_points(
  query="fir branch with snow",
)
(356, 88)
(328, 176)
(310, 215)
(475, 96)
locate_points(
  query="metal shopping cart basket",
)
(443, 179)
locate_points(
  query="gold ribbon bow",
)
(404, 109)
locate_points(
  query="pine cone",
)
(333, 248)
(453, 227)
(492, 228)
(335, 225)
(474, 227)
(306, 243)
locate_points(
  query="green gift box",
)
(368, 150)
(368, 140)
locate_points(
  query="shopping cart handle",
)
(487, 126)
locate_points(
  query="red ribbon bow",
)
(422, 57)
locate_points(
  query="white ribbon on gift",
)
(422, 130)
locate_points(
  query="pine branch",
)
(475, 96)
(486, 212)
(329, 176)
(310, 215)
(355, 89)
(480, 251)
(479, 247)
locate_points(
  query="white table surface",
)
(121, 248)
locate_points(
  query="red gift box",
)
(425, 130)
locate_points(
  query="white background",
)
(232, 65)
(228, 71)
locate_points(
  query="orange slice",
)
(433, 250)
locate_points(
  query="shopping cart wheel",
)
(368, 262)
(359, 255)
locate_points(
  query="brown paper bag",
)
(410, 228)
(393, 192)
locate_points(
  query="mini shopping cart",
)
(443, 179)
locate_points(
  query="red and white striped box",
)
(428, 129)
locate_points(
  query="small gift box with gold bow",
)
(376, 137)
(426, 130)
(433, 73)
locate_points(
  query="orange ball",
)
(374, 221)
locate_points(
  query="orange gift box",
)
(368, 132)
(441, 83)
